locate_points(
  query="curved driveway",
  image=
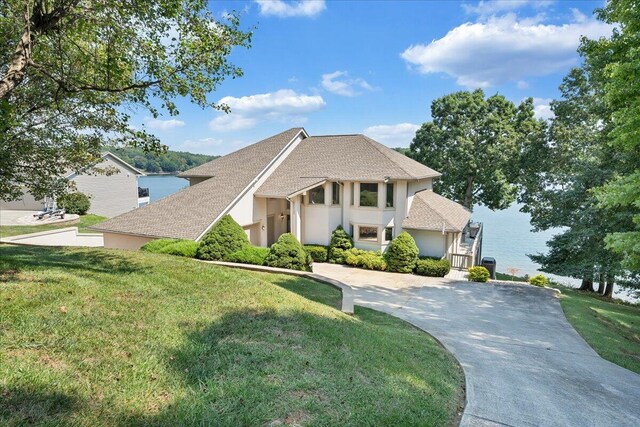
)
(523, 362)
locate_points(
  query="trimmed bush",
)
(74, 203)
(402, 254)
(432, 267)
(287, 252)
(539, 280)
(154, 246)
(371, 260)
(225, 238)
(340, 243)
(185, 248)
(318, 253)
(478, 274)
(249, 255)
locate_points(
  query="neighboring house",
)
(308, 185)
(110, 194)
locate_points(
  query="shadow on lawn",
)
(21, 406)
(14, 258)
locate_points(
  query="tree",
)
(71, 71)
(476, 143)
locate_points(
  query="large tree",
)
(476, 141)
(73, 71)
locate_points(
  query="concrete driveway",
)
(524, 364)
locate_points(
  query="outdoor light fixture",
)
(263, 228)
(386, 179)
(281, 216)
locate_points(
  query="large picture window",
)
(390, 195)
(368, 233)
(335, 193)
(316, 196)
(369, 194)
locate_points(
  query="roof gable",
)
(431, 211)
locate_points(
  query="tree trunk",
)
(468, 193)
(17, 69)
(608, 292)
(587, 285)
(601, 280)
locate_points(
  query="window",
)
(352, 195)
(335, 193)
(351, 230)
(316, 196)
(388, 234)
(369, 194)
(389, 195)
(368, 233)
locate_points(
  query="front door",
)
(271, 230)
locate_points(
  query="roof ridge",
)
(337, 134)
(436, 208)
(376, 144)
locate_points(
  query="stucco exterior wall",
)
(430, 243)
(124, 241)
(319, 221)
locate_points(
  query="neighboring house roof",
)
(191, 211)
(341, 158)
(431, 211)
(72, 174)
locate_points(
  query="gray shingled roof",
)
(187, 213)
(343, 158)
(430, 211)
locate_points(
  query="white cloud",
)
(503, 49)
(522, 84)
(283, 9)
(203, 145)
(542, 108)
(284, 105)
(492, 7)
(399, 135)
(163, 124)
(340, 83)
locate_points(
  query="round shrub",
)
(539, 280)
(287, 252)
(249, 255)
(224, 238)
(185, 248)
(402, 254)
(318, 252)
(74, 203)
(155, 246)
(340, 243)
(432, 267)
(478, 274)
(371, 260)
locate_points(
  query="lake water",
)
(161, 186)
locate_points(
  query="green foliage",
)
(249, 255)
(402, 253)
(155, 246)
(71, 78)
(371, 260)
(287, 252)
(478, 274)
(432, 267)
(154, 162)
(74, 203)
(477, 141)
(179, 247)
(318, 253)
(224, 238)
(539, 280)
(340, 243)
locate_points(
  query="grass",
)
(103, 337)
(84, 222)
(505, 276)
(611, 327)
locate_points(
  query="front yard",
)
(100, 337)
(84, 222)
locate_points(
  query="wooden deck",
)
(457, 274)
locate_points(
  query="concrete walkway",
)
(524, 364)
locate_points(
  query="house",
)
(111, 194)
(308, 185)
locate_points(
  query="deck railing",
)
(462, 261)
(143, 192)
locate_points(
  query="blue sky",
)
(375, 67)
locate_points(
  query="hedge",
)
(478, 274)
(539, 280)
(287, 252)
(340, 243)
(370, 260)
(180, 247)
(154, 246)
(318, 253)
(433, 267)
(74, 203)
(402, 254)
(249, 255)
(225, 238)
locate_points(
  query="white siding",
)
(26, 203)
(319, 221)
(430, 243)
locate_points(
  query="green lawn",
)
(612, 328)
(103, 337)
(85, 221)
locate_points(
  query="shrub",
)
(402, 253)
(318, 252)
(249, 255)
(154, 246)
(371, 260)
(185, 248)
(340, 243)
(287, 252)
(74, 203)
(478, 274)
(433, 267)
(225, 238)
(539, 280)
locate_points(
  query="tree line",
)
(579, 170)
(166, 162)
